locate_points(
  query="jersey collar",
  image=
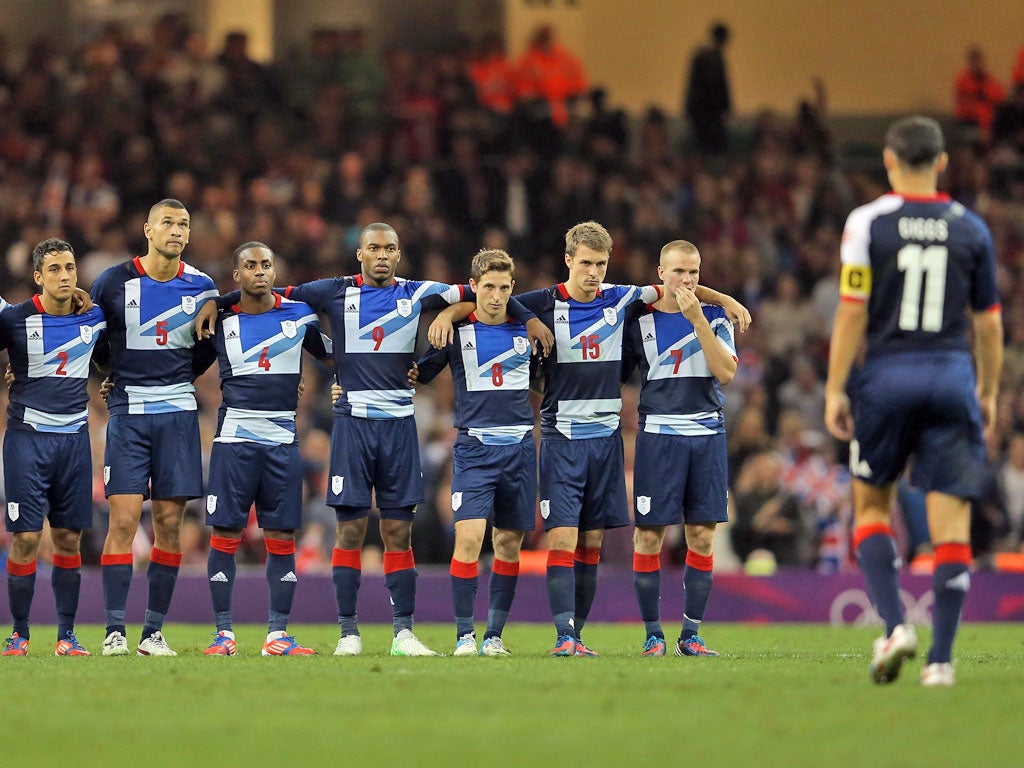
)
(38, 304)
(564, 292)
(277, 304)
(137, 261)
(938, 197)
(359, 281)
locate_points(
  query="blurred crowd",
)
(467, 148)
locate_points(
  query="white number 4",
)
(927, 265)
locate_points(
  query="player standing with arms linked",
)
(495, 457)
(153, 435)
(374, 318)
(255, 456)
(582, 476)
(686, 352)
(47, 456)
(914, 262)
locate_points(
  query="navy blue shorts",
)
(162, 447)
(922, 405)
(381, 455)
(243, 474)
(47, 470)
(679, 478)
(502, 478)
(583, 483)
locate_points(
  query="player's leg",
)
(586, 559)
(353, 457)
(464, 570)
(70, 514)
(562, 479)
(279, 511)
(21, 588)
(950, 524)
(647, 543)
(697, 580)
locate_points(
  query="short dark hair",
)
(45, 248)
(167, 202)
(917, 141)
(491, 260)
(377, 226)
(720, 33)
(236, 256)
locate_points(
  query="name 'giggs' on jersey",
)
(582, 396)
(491, 371)
(149, 324)
(50, 357)
(260, 359)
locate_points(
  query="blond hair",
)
(491, 260)
(590, 234)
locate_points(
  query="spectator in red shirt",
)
(977, 93)
(548, 71)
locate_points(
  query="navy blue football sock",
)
(116, 571)
(698, 577)
(647, 585)
(281, 582)
(950, 583)
(464, 585)
(347, 574)
(878, 560)
(66, 581)
(162, 574)
(561, 583)
(21, 588)
(400, 579)
(220, 570)
(585, 567)
(501, 592)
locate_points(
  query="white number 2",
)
(920, 264)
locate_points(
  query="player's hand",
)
(689, 304)
(8, 376)
(838, 417)
(206, 320)
(988, 409)
(441, 332)
(414, 375)
(105, 387)
(540, 333)
(302, 385)
(82, 301)
(736, 312)
(336, 392)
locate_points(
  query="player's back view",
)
(914, 263)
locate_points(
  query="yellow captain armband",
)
(855, 282)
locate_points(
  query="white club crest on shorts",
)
(13, 510)
(643, 504)
(288, 328)
(211, 504)
(106, 475)
(85, 331)
(545, 508)
(405, 307)
(611, 316)
(188, 304)
(456, 500)
(520, 344)
(337, 483)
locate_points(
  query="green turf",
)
(781, 695)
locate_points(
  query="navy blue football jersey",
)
(260, 365)
(920, 263)
(582, 395)
(50, 357)
(150, 327)
(491, 370)
(679, 394)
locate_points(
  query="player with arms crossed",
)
(374, 318)
(255, 456)
(686, 353)
(495, 457)
(914, 262)
(152, 445)
(582, 476)
(47, 456)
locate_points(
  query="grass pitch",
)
(780, 695)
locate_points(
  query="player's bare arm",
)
(988, 360)
(206, 320)
(847, 334)
(442, 331)
(720, 361)
(736, 312)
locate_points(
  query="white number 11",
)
(928, 265)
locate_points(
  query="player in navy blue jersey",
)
(495, 458)
(686, 352)
(152, 448)
(255, 457)
(582, 476)
(374, 318)
(913, 263)
(47, 457)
